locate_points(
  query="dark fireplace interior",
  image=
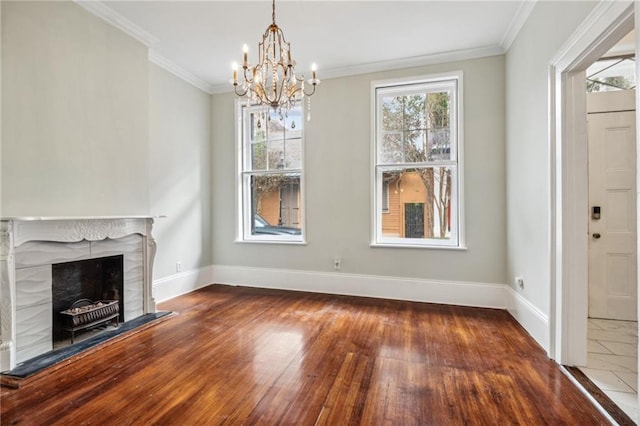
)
(95, 279)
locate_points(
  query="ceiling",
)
(199, 40)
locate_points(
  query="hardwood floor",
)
(249, 356)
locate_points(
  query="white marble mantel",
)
(22, 239)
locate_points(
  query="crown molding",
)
(180, 72)
(517, 23)
(416, 61)
(112, 17)
(101, 10)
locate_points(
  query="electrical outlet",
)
(178, 266)
(520, 283)
(337, 263)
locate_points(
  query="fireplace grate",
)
(85, 313)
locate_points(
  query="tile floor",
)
(612, 361)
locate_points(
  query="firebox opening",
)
(98, 279)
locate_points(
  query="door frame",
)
(568, 233)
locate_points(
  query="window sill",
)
(285, 242)
(418, 246)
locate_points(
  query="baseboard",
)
(529, 316)
(411, 289)
(482, 295)
(182, 283)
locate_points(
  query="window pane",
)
(259, 156)
(275, 126)
(293, 153)
(276, 154)
(257, 126)
(439, 144)
(424, 119)
(415, 112)
(275, 205)
(439, 118)
(419, 203)
(611, 74)
(392, 113)
(415, 147)
(392, 151)
(292, 122)
(439, 109)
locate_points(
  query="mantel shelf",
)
(52, 218)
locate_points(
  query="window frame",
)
(406, 86)
(244, 217)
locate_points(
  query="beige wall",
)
(90, 128)
(87, 124)
(74, 114)
(528, 188)
(180, 179)
(338, 141)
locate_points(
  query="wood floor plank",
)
(234, 355)
(341, 403)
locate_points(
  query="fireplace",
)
(98, 279)
(111, 256)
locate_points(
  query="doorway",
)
(569, 233)
(612, 330)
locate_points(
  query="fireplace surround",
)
(29, 247)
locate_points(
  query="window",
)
(608, 74)
(417, 151)
(270, 164)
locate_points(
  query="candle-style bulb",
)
(245, 54)
(314, 69)
(234, 67)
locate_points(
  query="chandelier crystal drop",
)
(273, 80)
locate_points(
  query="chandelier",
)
(273, 80)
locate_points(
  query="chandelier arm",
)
(235, 89)
(313, 85)
(247, 79)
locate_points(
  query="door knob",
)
(596, 235)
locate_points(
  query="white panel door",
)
(612, 240)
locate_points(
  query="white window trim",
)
(243, 198)
(457, 201)
(385, 198)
